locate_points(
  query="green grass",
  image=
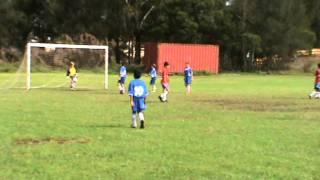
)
(233, 126)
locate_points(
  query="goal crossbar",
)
(69, 46)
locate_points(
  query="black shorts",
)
(153, 81)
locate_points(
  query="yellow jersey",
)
(72, 71)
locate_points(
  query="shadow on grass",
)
(97, 126)
(93, 91)
(51, 140)
(260, 105)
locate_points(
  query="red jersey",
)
(317, 74)
(165, 76)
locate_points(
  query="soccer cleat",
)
(160, 98)
(142, 125)
(133, 126)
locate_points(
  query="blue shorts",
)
(139, 105)
(317, 87)
(153, 81)
(187, 81)
(122, 80)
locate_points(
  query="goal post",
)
(64, 46)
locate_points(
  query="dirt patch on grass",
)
(51, 140)
(260, 105)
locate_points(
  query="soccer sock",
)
(165, 94)
(313, 94)
(188, 89)
(134, 120)
(73, 84)
(123, 88)
(141, 116)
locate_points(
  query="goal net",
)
(45, 66)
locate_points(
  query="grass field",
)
(232, 127)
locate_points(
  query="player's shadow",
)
(93, 91)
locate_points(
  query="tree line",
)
(244, 29)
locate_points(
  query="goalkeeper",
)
(72, 73)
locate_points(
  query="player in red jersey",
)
(165, 83)
(316, 92)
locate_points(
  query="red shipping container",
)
(201, 57)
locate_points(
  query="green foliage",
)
(284, 28)
(261, 28)
(9, 67)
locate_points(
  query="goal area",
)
(86, 58)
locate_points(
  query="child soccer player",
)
(153, 74)
(72, 73)
(165, 83)
(188, 76)
(122, 80)
(316, 92)
(138, 93)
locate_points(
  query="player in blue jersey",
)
(122, 78)
(153, 74)
(188, 77)
(138, 93)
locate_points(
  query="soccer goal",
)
(57, 56)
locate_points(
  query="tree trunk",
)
(137, 58)
(117, 51)
(129, 51)
(244, 62)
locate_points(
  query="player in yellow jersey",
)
(72, 73)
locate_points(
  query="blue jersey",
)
(123, 71)
(188, 73)
(138, 89)
(188, 76)
(153, 72)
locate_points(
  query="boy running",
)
(153, 74)
(188, 76)
(165, 83)
(138, 93)
(72, 73)
(122, 80)
(316, 92)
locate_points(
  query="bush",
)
(305, 65)
(196, 73)
(9, 67)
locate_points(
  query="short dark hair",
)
(166, 63)
(137, 74)
(318, 65)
